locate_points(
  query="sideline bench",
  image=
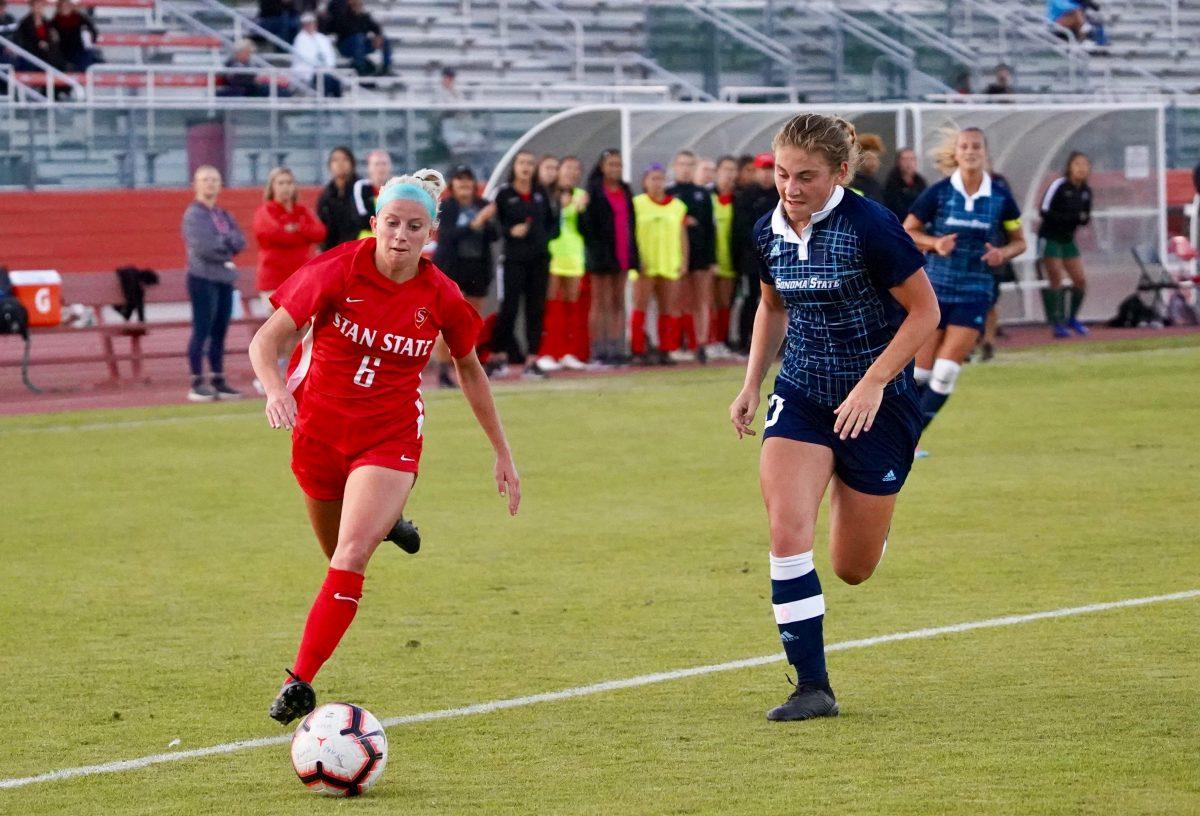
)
(101, 291)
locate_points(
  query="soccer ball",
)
(339, 750)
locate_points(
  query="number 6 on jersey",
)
(366, 374)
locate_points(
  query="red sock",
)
(720, 329)
(637, 332)
(687, 331)
(580, 340)
(552, 330)
(328, 620)
(668, 333)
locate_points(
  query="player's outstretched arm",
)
(770, 327)
(264, 357)
(478, 391)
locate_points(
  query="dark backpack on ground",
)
(1132, 313)
(14, 319)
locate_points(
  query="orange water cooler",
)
(40, 290)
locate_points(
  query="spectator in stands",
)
(336, 207)
(448, 91)
(527, 222)
(865, 181)
(286, 232)
(70, 23)
(1068, 14)
(280, 17)
(242, 81)
(212, 238)
(1002, 83)
(358, 35)
(379, 170)
(610, 247)
(904, 184)
(313, 52)
(751, 203)
(8, 23)
(962, 83)
(37, 35)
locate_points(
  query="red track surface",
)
(82, 387)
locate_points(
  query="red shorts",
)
(322, 470)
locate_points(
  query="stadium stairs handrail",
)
(54, 77)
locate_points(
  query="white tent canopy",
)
(1028, 144)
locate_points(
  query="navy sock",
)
(931, 403)
(800, 614)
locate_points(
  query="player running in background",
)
(1066, 206)
(953, 223)
(725, 271)
(563, 305)
(353, 399)
(662, 240)
(696, 287)
(843, 284)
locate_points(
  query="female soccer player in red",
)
(352, 399)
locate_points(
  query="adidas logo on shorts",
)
(890, 476)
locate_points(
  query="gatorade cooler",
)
(40, 290)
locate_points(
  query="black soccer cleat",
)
(807, 701)
(405, 535)
(295, 699)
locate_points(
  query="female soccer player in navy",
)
(844, 285)
(954, 222)
(374, 308)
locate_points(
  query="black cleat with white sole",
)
(295, 699)
(406, 536)
(807, 701)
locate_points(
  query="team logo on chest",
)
(420, 316)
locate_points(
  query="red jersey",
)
(357, 374)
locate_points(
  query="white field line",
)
(596, 688)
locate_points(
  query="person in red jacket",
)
(286, 231)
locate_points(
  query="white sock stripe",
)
(786, 568)
(922, 375)
(800, 610)
(945, 374)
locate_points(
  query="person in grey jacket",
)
(212, 238)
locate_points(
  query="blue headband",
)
(407, 192)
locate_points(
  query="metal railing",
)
(146, 85)
(54, 77)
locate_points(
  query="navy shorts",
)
(972, 314)
(877, 462)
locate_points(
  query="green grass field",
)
(156, 569)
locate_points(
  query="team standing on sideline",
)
(873, 318)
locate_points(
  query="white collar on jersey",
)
(781, 227)
(985, 188)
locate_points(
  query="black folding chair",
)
(1154, 279)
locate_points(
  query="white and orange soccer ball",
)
(339, 750)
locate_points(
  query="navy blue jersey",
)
(834, 280)
(944, 208)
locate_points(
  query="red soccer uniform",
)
(357, 375)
